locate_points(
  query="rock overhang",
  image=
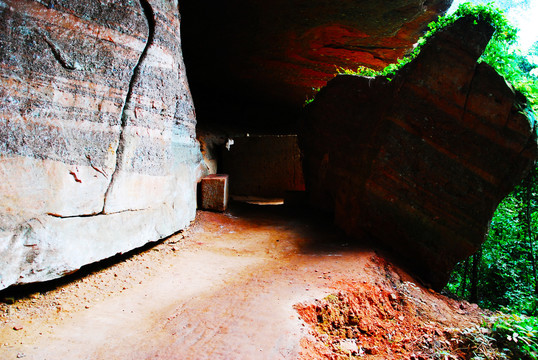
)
(256, 62)
(420, 162)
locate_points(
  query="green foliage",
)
(499, 53)
(311, 99)
(479, 343)
(361, 70)
(518, 334)
(504, 36)
(507, 278)
(534, 49)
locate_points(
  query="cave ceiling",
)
(256, 62)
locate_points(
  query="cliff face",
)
(255, 62)
(420, 163)
(97, 133)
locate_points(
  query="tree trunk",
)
(530, 237)
(463, 284)
(474, 276)
(533, 259)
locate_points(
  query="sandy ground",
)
(230, 287)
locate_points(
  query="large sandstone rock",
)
(420, 163)
(257, 61)
(98, 152)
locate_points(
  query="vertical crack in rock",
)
(468, 94)
(150, 18)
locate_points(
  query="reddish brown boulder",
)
(243, 56)
(421, 162)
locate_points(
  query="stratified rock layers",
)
(420, 163)
(98, 153)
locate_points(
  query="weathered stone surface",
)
(98, 152)
(420, 163)
(215, 192)
(269, 55)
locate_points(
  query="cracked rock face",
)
(97, 133)
(420, 163)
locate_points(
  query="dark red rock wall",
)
(420, 163)
(257, 61)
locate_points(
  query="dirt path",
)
(225, 289)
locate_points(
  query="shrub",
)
(518, 334)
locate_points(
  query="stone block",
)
(214, 189)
